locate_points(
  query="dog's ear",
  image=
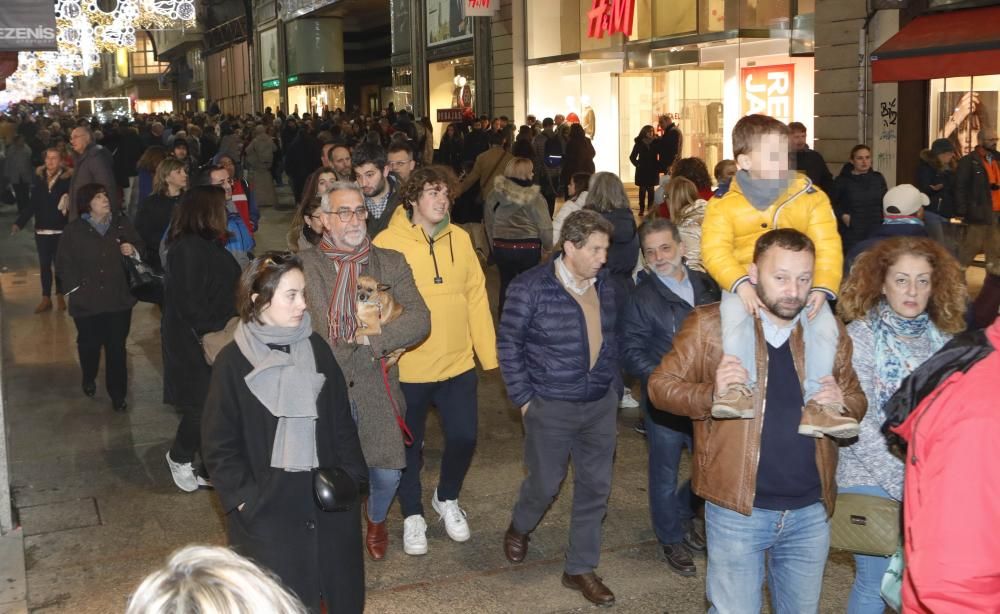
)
(384, 287)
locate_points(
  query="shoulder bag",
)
(865, 524)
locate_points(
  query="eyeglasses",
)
(346, 215)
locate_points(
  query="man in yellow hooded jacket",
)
(441, 369)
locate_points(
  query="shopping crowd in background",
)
(808, 336)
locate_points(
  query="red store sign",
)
(610, 17)
(769, 90)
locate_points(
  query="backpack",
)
(553, 152)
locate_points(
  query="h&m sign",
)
(610, 17)
(480, 8)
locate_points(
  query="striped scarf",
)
(343, 303)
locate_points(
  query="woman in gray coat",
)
(331, 270)
(259, 158)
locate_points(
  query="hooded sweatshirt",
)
(451, 281)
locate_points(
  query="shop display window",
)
(401, 93)
(272, 98)
(314, 99)
(451, 85)
(962, 106)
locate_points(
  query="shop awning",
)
(954, 44)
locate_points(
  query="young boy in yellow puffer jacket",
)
(765, 195)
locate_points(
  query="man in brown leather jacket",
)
(769, 491)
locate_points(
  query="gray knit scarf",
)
(287, 384)
(762, 192)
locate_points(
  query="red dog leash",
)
(407, 435)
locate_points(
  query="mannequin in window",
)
(589, 123)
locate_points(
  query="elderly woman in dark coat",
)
(89, 263)
(276, 412)
(199, 298)
(329, 267)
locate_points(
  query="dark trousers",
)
(554, 432)
(47, 245)
(511, 263)
(645, 197)
(670, 507)
(21, 193)
(108, 331)
(187, 441)
(456, 401)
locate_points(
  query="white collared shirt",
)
(776, 335)
(569, 280)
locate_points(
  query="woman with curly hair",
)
(695, 170)
(905, 298)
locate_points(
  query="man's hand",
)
(524, 408)
(814, 303)
(829, 392)
(729, 372)
(846, 219)
(747, 294)
(127, 249)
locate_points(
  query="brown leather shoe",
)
(736, 403)
(515, 545)
(376, 540)
(45, 305)
(591, 586)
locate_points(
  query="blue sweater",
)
(542, 343)
(787, 477)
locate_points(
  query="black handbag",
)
(144, 282)
(334, 490)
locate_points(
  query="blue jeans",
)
(669, 506)
(382, 484)
(819, 336)
(794, 543)
(866, 594)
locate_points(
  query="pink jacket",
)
(952, 494)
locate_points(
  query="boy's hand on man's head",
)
(814, 303)
(747, 294)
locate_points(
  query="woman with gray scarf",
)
(277, 411)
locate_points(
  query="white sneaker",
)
(183, 474)
(414, 535)
(628, 401)
(454, 518)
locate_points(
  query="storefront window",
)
(272, 98)
(154, 106)
(445, 23)
(315, 99)
(692, 97)
(451, 85)
(962, 106)
(402, 88)
(584, 91)
(269, 67)
(554, 27)
(400, 20)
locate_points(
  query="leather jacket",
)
(726, 452)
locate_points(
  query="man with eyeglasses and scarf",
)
(332, 269)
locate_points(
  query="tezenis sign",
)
(611, 17)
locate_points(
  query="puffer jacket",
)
(543, 345)
(732, 226)
(688, 222)
(516, 213)
(950, 541)
(859, 196)
(451, 282)
(726, 452)
(932, 172)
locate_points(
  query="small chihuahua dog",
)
(376, 307)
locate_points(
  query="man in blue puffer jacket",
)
(666, 293)
(558, 354)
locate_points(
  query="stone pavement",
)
(99, 510)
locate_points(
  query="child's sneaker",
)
(736, 403)
(827, 419)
